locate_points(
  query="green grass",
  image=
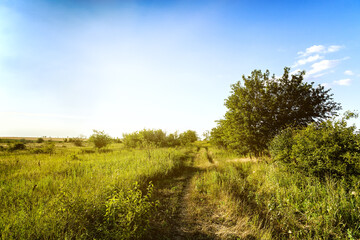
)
(66, 195)
(268, 201)
(83, 193)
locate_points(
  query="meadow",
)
(196, 191)
(79, 192)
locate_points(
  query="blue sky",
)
(67, 67)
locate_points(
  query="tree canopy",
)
(262, 106)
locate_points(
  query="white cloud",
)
(323, 65)
(348, 72)
(320, 49)
(308, 60)
(334, 48)
(343, 82)
(319, 75)
(313, 49)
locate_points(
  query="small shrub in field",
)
(77, 141)
(49, 147)
(17, 146)
(40, 140)
(100, 139)
(127, 213)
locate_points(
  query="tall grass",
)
(68, 194)
(271, 201)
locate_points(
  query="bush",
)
(158, 138)
(48, 147)
(281, 145)
(17, 146)
(40, 140)
(147, 137)
(188, 137)
(77, 141)
(100, 139)
(128, 213)
(329, 148)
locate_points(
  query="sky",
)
(68, 67)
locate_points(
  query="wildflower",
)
(353, 193)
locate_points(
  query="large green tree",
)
(260, 106)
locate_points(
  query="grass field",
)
(167, 193)
(67, 194)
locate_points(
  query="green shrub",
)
(40, 140)
(281, 145)
(17, 146)
(330, 148)
(128, 213)
(188, 137)
(100, 139)
(77, 141)
(48, 147)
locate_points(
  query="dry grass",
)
(34, 138)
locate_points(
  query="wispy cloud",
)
(319, 49)
(308, 60)
(313, 49)
(323, 65)
(349, 72)
(334, 48)
(343, 82)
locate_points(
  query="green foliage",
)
(158, 138)
(188, 137)
(77, 141)
(281, 146)
(100, 139)
(128, 213)
(40, 140)
(330, 148)
(16, 146)
(172, 140)
(47, 147)
(278, 198)
(65, 195)
(262, 106)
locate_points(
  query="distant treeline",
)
(158, 138)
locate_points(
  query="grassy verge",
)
(71, 194)
(256, 200)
